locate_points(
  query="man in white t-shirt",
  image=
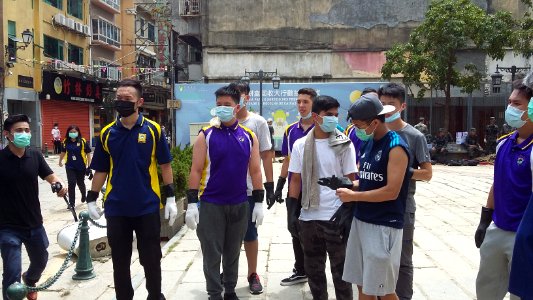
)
(259, 126)
(322, 153)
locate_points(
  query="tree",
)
(428, 60)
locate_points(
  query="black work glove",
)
(484, 222)
(336, 182)
(270, 197)
(279, 189)
(342, 219)
(293, 213)
(89, 173)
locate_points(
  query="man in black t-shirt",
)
(21, 221)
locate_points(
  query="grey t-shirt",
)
(259, 126)
(419, 153)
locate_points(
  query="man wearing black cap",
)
(438, 151)
(491, 135)
(472, 145)
(380, 202)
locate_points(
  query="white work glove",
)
(258, 214)
(192, 216)
(94, 211)
(171, 210)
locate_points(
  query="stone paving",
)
(445, 257)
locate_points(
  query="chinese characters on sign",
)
(68, 88)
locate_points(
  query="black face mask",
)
(125, 108)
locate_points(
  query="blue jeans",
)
(36, 242)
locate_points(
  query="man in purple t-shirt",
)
(507, 199)
(294, 132)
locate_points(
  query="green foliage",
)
(428, 60)
(181, 167)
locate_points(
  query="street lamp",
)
(262, 75)
(497, 76)
(27, 37)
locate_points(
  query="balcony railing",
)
(106, 32)
(189, 7)
(112, 6)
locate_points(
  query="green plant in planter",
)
(181, 167)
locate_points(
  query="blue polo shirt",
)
(130, 156)
(229, 150)
(76, 153)
(373, 175)
(512, 181)
(350, 133)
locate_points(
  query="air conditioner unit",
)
(78, 27)
(60, 19)
(86, 30)
(70, 24)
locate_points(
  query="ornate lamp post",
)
(260, 75)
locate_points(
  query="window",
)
(144, 61)
(104, 69)
(106, 32)
(75, 8)
(55, 3)
(53, 48)
(75, 54)
(140, 27)
(113, 3)
(12, 43)
(151, 32)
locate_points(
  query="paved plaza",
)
(445, 257)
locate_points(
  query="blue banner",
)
(278, 104)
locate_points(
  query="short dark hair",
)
(73, 127)
(229, 90)
(242, 86)
(11, 120)
(392, 90)
(55, 124)
(308, 91)
(136, 84)
(522, 89)
(368, 90)
(324, 103)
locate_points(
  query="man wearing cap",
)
(422, 127)
(394, 94)
(491, 135)
(472, 145)
(375, 242)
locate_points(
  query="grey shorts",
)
(373, 257)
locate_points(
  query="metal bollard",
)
(45, 149)
(17, 291)
(84, 265)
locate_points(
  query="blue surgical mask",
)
(392, 118)
(362, 135)
(73, 135)
(22, 139)
(224, 113)
(329, 123)
(513, 116)
(306, 117)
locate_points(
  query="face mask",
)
(306, 117)
(392, 118)
(22, 139)
(530, 109)
(125, 108)
(513, 116)
(224, 113)
(73, 135)
(329, 123)
(362, 135)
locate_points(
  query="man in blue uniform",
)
(127, 154)
(223, 154)
(294, 132)
(375, 242)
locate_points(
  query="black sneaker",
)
(255, 285)
(294, 279)
(230, 296)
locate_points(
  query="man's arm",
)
(285, 167)
(266, 158)
(425, 172)
(295, 185)
(52, 178)
(98, 181)
(490, 198)
(199, 154)
(166, 173)
(397, 164)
